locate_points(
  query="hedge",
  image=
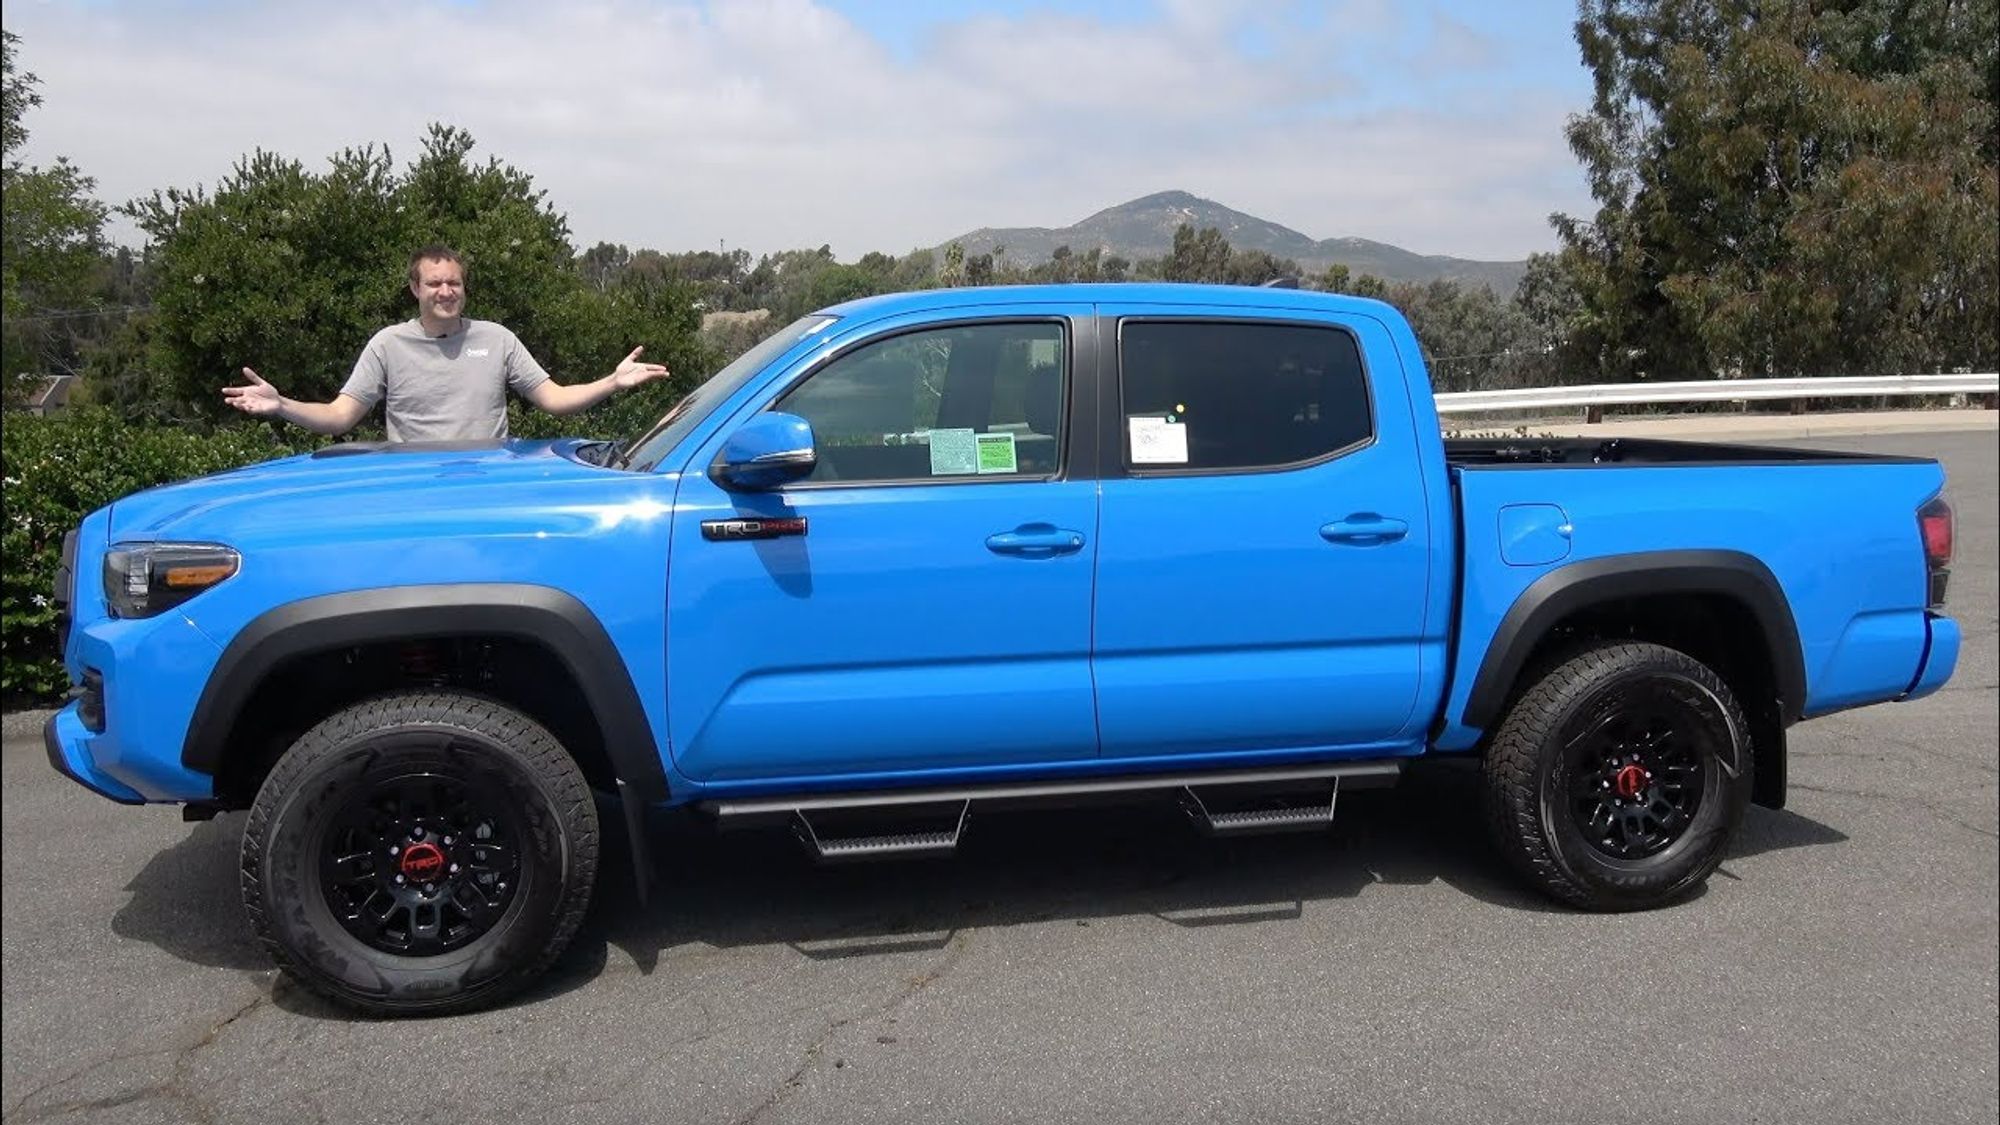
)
(57, 470)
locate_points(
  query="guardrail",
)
(1594, 397)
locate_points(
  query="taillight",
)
(1935, 521)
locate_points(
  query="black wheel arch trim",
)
(547, 616)
(1580, 585)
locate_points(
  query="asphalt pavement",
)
(1102, 967)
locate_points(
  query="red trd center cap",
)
(423, 862)
(1629, 782)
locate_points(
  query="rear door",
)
(934, 615)
(1264, 550)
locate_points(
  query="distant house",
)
(52, 395)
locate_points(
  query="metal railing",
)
(1594, 396)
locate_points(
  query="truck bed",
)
(1503, 452)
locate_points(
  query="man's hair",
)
(435, 252)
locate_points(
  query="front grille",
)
(65, 590)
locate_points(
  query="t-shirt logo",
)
(478, 353)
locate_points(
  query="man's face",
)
(439, 289)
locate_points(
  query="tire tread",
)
(1513, 766)
(552, 767)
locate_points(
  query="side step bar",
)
(1288, 816)
(1264, 800)
(908, 845)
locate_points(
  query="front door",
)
(935, 613)
(1264, 557)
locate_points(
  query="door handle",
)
(1036, 541)
(1364, 529)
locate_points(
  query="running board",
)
(1373, 774)
(904, 845)
(1283, 816)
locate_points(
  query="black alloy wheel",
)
(420, 853)
(419, 864)
(1618, 777)
(1635, 768)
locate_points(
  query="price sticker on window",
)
(1156, 441)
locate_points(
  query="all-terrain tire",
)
(1560, 744)
(480, 797)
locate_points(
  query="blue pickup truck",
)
(924, 556)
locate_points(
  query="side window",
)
(1216, 395)
(973, 400)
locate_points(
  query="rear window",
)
(1211, 395)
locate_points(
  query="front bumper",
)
(151, 671)
(138, 680)
(68, 743)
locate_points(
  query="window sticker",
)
(996, 453)
(953, 452)
(1156, 441)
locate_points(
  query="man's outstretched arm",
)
(558, 399)
(263, 400)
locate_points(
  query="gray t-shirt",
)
(444, 388)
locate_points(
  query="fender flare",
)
(1580, 585)
(546, 616)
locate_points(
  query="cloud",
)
(1457, 49)
(771, 124)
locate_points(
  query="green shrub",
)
(58, 470)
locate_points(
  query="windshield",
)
(652, 446)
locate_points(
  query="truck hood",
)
(344, 481)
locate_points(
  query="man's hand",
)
(262, 399)
(258, 398)
(556, 398)
(631, 372)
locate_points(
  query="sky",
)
(862, 124)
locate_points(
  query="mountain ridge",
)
(1144, 228)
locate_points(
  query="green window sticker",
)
(996, 453)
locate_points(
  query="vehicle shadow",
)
(1083, 865)
(754, 888)
(187, 900)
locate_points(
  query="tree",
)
(603, 264)
(1255, 267)
(1559, 325)
(1339, 279)
(1787, 188)
(1196, 255)
(53, 246)
(1472, 340)
(290, 272)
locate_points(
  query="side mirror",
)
(769, 451)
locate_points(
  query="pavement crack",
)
(639, 1070)
(54, 1083)
(261, 999)
(954, 950)
(172, 1087)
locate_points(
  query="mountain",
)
(1144, 228)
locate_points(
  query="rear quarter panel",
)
(1841, 539)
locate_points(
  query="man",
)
(444, 376)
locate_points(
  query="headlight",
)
(142, 579)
